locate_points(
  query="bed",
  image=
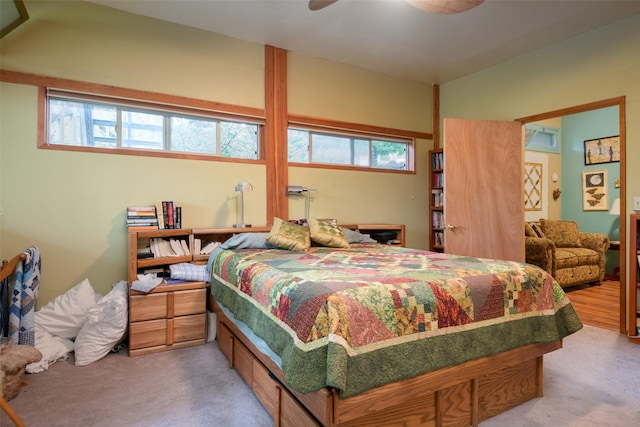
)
(373, 334)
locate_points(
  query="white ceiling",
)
(391, 36)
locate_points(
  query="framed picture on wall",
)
(602, 150)
(594, 190)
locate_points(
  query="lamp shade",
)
(615, 207)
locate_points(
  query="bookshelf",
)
(436, 201)
(634, 279)
(172, 315)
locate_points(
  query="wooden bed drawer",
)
(265, 388)
(225, 341)
(237, 354)
(147, 307)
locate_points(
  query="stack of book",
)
(140, 218)
(169, 215)
(168, 248)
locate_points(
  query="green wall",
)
(577, 128)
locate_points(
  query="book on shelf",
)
(169, 214)
(185, 247)
(160, 214)
(141, 218)
(209, 247)
(139, 227)
(163, 248)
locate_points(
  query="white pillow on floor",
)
(52, 349)
(64, 315)
(105, 326)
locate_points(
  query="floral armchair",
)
(570, 256)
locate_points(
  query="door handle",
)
(453, 227)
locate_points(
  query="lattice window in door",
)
(532, 186)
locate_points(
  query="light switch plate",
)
(636, 204)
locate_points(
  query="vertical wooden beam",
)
(436, 117)
(276, 132)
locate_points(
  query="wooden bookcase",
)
(172, 315)
(634, 280)
(436, 201)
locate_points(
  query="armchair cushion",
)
(529, 231)
(564, 234)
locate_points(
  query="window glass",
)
(142, 130)
(239, 140)
(542, 138)
(298, 145)
(330, 149)
(389, 155)
(190, 135)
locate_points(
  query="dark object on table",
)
(384, 236)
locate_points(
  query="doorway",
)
(613, 102)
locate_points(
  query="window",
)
(542, 138)
(329, 148)
(111, 123)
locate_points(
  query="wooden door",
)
(484, 188)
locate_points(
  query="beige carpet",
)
(593, 381)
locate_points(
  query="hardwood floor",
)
(597, 305)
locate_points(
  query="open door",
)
(484, 188)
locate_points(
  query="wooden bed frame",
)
(461, 395)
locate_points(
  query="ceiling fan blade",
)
(445, 7)
(320, 4)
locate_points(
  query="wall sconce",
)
(242, 187)
(297, 190)
(556, 194)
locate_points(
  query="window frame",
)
(147, 101)
(353, 131)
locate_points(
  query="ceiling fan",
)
(438, 7)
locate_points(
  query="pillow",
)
(290, 236)
(564, 234)
(538, 230)
(52, 349)
(357, 237)
(529, 231)
(105, 326)
(327, 233)
(64, 315)
(248, 241)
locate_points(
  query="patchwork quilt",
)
(360, 317)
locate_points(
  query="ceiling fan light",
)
(445, 7)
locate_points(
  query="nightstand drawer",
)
(147, 334)
(147, 307)
(189, 302)
(188, 328)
